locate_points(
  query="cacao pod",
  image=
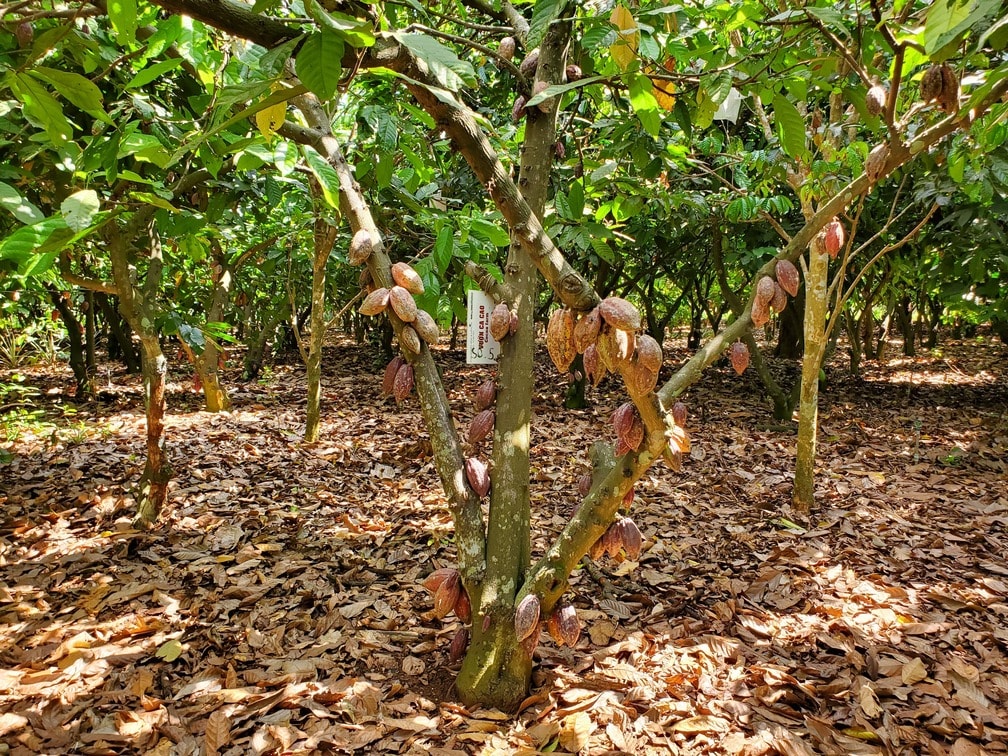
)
(573, 73)
(764, 291)
(478, 476)
(531, 640)
(388, 381)
(630, 538)
(426, 327)
(564, 626)
(635, 436)
(678, 439)
(834, 240)
(514, 323)
(584, 484)
(679, 414)
(364, 280)
(594, 369)
(597, 550)
(529, 65)
(361, 247)
(623, 418)
(560, 339)
(649, 352)
(402, 304)
(409, 340)
(459, 644)
(500, 322)
(615, 347)
(506, 48)
(403, 384)
(463, 609)
(628, 497)
(433, 581)
(586, 330)
(948, 100)
(622, 447)
(375, 302)
(408, 278)
(486, 394)
(620, 314)
(738, 354)
(931, 84)
(875, 100)
(642, 378)
(481, 426)
(876, 162)
(25, 33)
(447, 595)
(611, 539)
(760, 313)
(787, 277)
(526, 616)
(518, 111)
(779, 301)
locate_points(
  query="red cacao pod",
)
(446, 595)
(478, 476)
(481, 426)
(738, 354)
(834, 240)
(486, 394)
(526, 616)
(403, 384)
(459, 644)
(388, 381)
(564, 626)
(679, 414)
(433, 581)
(649, 352)
(787, 277)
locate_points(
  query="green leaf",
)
(318, 63)
(545, 13)
(22, 246)
(170, 650)
(80, 208)
(576, 200)
(644, 103)
(19, 207)
(41, 108)
(150, 73)
(949, 20)
(442, 63)
(153, 199)
(790, 126)
(354, 30)
(195, 339)
(325, 174)
(123, 15)
(556, 89)
(443, 249)
(75, 89)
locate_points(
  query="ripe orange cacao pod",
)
(481, 426)
(459, 644)
(623, 344)
(834, 237)
(486, 394)
(361, 247)
(679, 414)
(500, 321)
(620, 314)
(678, 439)
(560, 339)
(426, 327)
(649, 352)
(586, 330)
(403, 304)
(787, 277)
(433, 581)
(478, 476)
(738, 354)
(564, 626)
(446, 595)
(403, 383)
(526, 616)
(409, 279)
(779, 301)
(375, 302)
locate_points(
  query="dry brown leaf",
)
(218, 732)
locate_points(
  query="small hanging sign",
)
(481, 347)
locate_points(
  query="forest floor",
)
(277, 607)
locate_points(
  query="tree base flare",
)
(497, 670)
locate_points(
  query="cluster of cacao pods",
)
(503, 321)
(621, 535)
(607, 338)
(772, 294)
(449, 594)
(417, 324)
(939, 83)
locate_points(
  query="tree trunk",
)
(816, 279)
(153, 488)
(497, 668)
(255, 352)
(852, 324)
(120, 343)
(78, 363)
(325, 237)
(789, 334)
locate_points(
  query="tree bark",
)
(325, 237)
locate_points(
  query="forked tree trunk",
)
(497, 668)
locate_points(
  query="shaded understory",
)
(278, 606)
